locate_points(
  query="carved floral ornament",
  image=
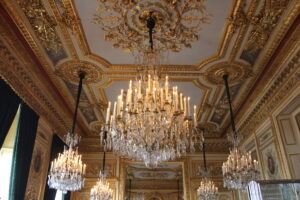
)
(177, 22)
(43, 24)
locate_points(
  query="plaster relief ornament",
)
(178, 22)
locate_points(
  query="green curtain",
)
(9, 103)
(23, 148)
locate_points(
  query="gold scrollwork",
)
(43, 24)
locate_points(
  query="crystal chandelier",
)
(178, 22)
(67, 170)
(150, 122)
(102, 191)
(207, 189)
(240, 168)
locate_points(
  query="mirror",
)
(162, 183)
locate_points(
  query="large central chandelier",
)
(240, 168)
(178, 22)
(150, 122)
(102, 190)
(67, 170)
(207, 189)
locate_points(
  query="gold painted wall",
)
(39, 162)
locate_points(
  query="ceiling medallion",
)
(69, 71)
(177, 22)
(237, 72)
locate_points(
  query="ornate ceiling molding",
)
(284, 84)
(237, 72)
(69, 71)
(23, 84)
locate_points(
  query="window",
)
(59, 195)
(6, 154)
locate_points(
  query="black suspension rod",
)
(204, 157)
(81, 77)
(150, 26)
(104, 156)
(178, 196)
(225, 77)
(129, 196)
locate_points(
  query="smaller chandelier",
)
(207, 189)
(239, 169)
(67, 170)
(102, 190)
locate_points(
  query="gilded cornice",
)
(284, 84)
(23, 84)
(18, 47)
(79, 33)
(12, 8)
(243, 24)
(64, 28)
(291, 21)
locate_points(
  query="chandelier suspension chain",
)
(225, 77)
(150, 26)
(204, 156)
(178, 196)
(129, 196)
(81, 77)
(104, 156)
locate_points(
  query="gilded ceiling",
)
(239, 37)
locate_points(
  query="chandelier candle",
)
(152, 124)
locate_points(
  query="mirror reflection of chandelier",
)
(239, 169)
(67, 170)
(101, 190)
(207, 189)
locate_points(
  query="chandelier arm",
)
(225, 77)
(81, 77)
